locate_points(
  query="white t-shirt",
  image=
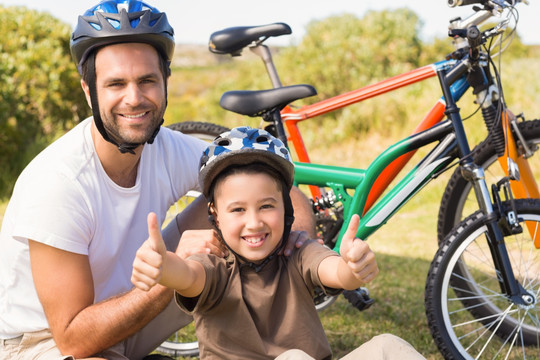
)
(65, 199)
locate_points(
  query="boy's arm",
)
(153, 264)
(355, 267)
(187, 277)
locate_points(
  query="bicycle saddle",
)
(232, 40)
(258, 102)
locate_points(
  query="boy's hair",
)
(252, 168)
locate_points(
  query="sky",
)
(194, 21)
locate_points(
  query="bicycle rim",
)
(182, 343)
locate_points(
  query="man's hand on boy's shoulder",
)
(296, 240)
(201, 242)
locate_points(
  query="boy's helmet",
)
(241, 146)
(120, 21)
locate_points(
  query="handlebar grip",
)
(454, 3)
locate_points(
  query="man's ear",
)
(86, 90)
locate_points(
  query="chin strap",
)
(124, 147)
(289, 219)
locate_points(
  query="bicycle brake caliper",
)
(508, 221)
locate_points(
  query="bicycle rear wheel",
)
(468, 315)
(459, 200)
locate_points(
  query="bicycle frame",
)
(453, 144)
(341, 179)
(525, 187)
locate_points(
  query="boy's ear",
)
(212, 215)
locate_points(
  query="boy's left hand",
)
(357, 254)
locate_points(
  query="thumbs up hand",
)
(149, 258)
(357, 254)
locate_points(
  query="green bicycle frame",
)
(342, 179)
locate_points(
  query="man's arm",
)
(64, 284)
(304, 218)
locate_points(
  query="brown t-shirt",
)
(242, 314)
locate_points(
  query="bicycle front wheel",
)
(459, 199)
(468, 315)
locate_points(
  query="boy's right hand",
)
(149, 258)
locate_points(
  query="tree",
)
(40, 95)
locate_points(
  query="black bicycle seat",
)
(257, 102)
(232, 40)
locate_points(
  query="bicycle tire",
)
(184, 341)
(458, 199)
(202, 130)
(463, 301)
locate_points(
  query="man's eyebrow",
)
(142, 77)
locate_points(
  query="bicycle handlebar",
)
(454, 3)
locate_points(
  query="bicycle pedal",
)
(359, 298)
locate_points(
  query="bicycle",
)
(519, 141)
(450, 277)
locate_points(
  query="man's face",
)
(131, 91)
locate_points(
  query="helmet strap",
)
(124, 147)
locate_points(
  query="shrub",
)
(39, 88)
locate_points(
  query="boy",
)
(256, 304)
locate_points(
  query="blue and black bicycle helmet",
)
(243, 146)
(120, 21)
(113, 22)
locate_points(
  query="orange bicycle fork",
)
(525, 186)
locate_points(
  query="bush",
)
(39, 88)
(345, 52)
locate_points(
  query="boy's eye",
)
(267, 206)
(237, 210)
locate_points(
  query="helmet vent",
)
(224, 142)
(261, 139)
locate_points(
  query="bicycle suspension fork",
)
(475, 174)
(502, 125)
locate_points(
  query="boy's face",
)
(250, 214)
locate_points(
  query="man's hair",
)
(163, 66)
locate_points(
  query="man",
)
(78, 211)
